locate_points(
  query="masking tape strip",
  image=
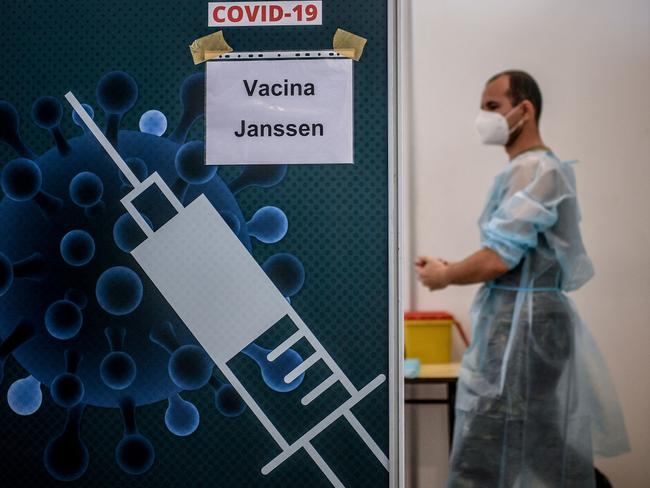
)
(209, 47)
(348, 44)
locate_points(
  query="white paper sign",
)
(285, 111)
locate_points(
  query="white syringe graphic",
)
(204, 271)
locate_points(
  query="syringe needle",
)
(101, 138)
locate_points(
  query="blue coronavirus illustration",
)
(76, 312)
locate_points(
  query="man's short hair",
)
(522, 87)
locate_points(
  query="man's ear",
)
(528, 110)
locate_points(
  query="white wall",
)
(592, 61)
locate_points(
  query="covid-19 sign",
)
(242, 14)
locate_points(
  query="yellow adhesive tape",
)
(348, 44)
(209, 47)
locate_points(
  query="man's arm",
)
(482, 266)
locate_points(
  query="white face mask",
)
(492, 127)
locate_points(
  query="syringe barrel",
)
(210, 279)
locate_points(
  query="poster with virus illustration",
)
(193, 290)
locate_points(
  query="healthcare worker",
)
(535, 401)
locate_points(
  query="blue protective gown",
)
(535, 400)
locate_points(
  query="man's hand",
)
(432, 272)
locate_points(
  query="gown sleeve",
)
(532, 191)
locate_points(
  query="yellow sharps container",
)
(427, 336)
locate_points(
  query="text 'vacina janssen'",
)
(285, 89)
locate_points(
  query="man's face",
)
(495, 99)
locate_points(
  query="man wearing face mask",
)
(534, 401)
